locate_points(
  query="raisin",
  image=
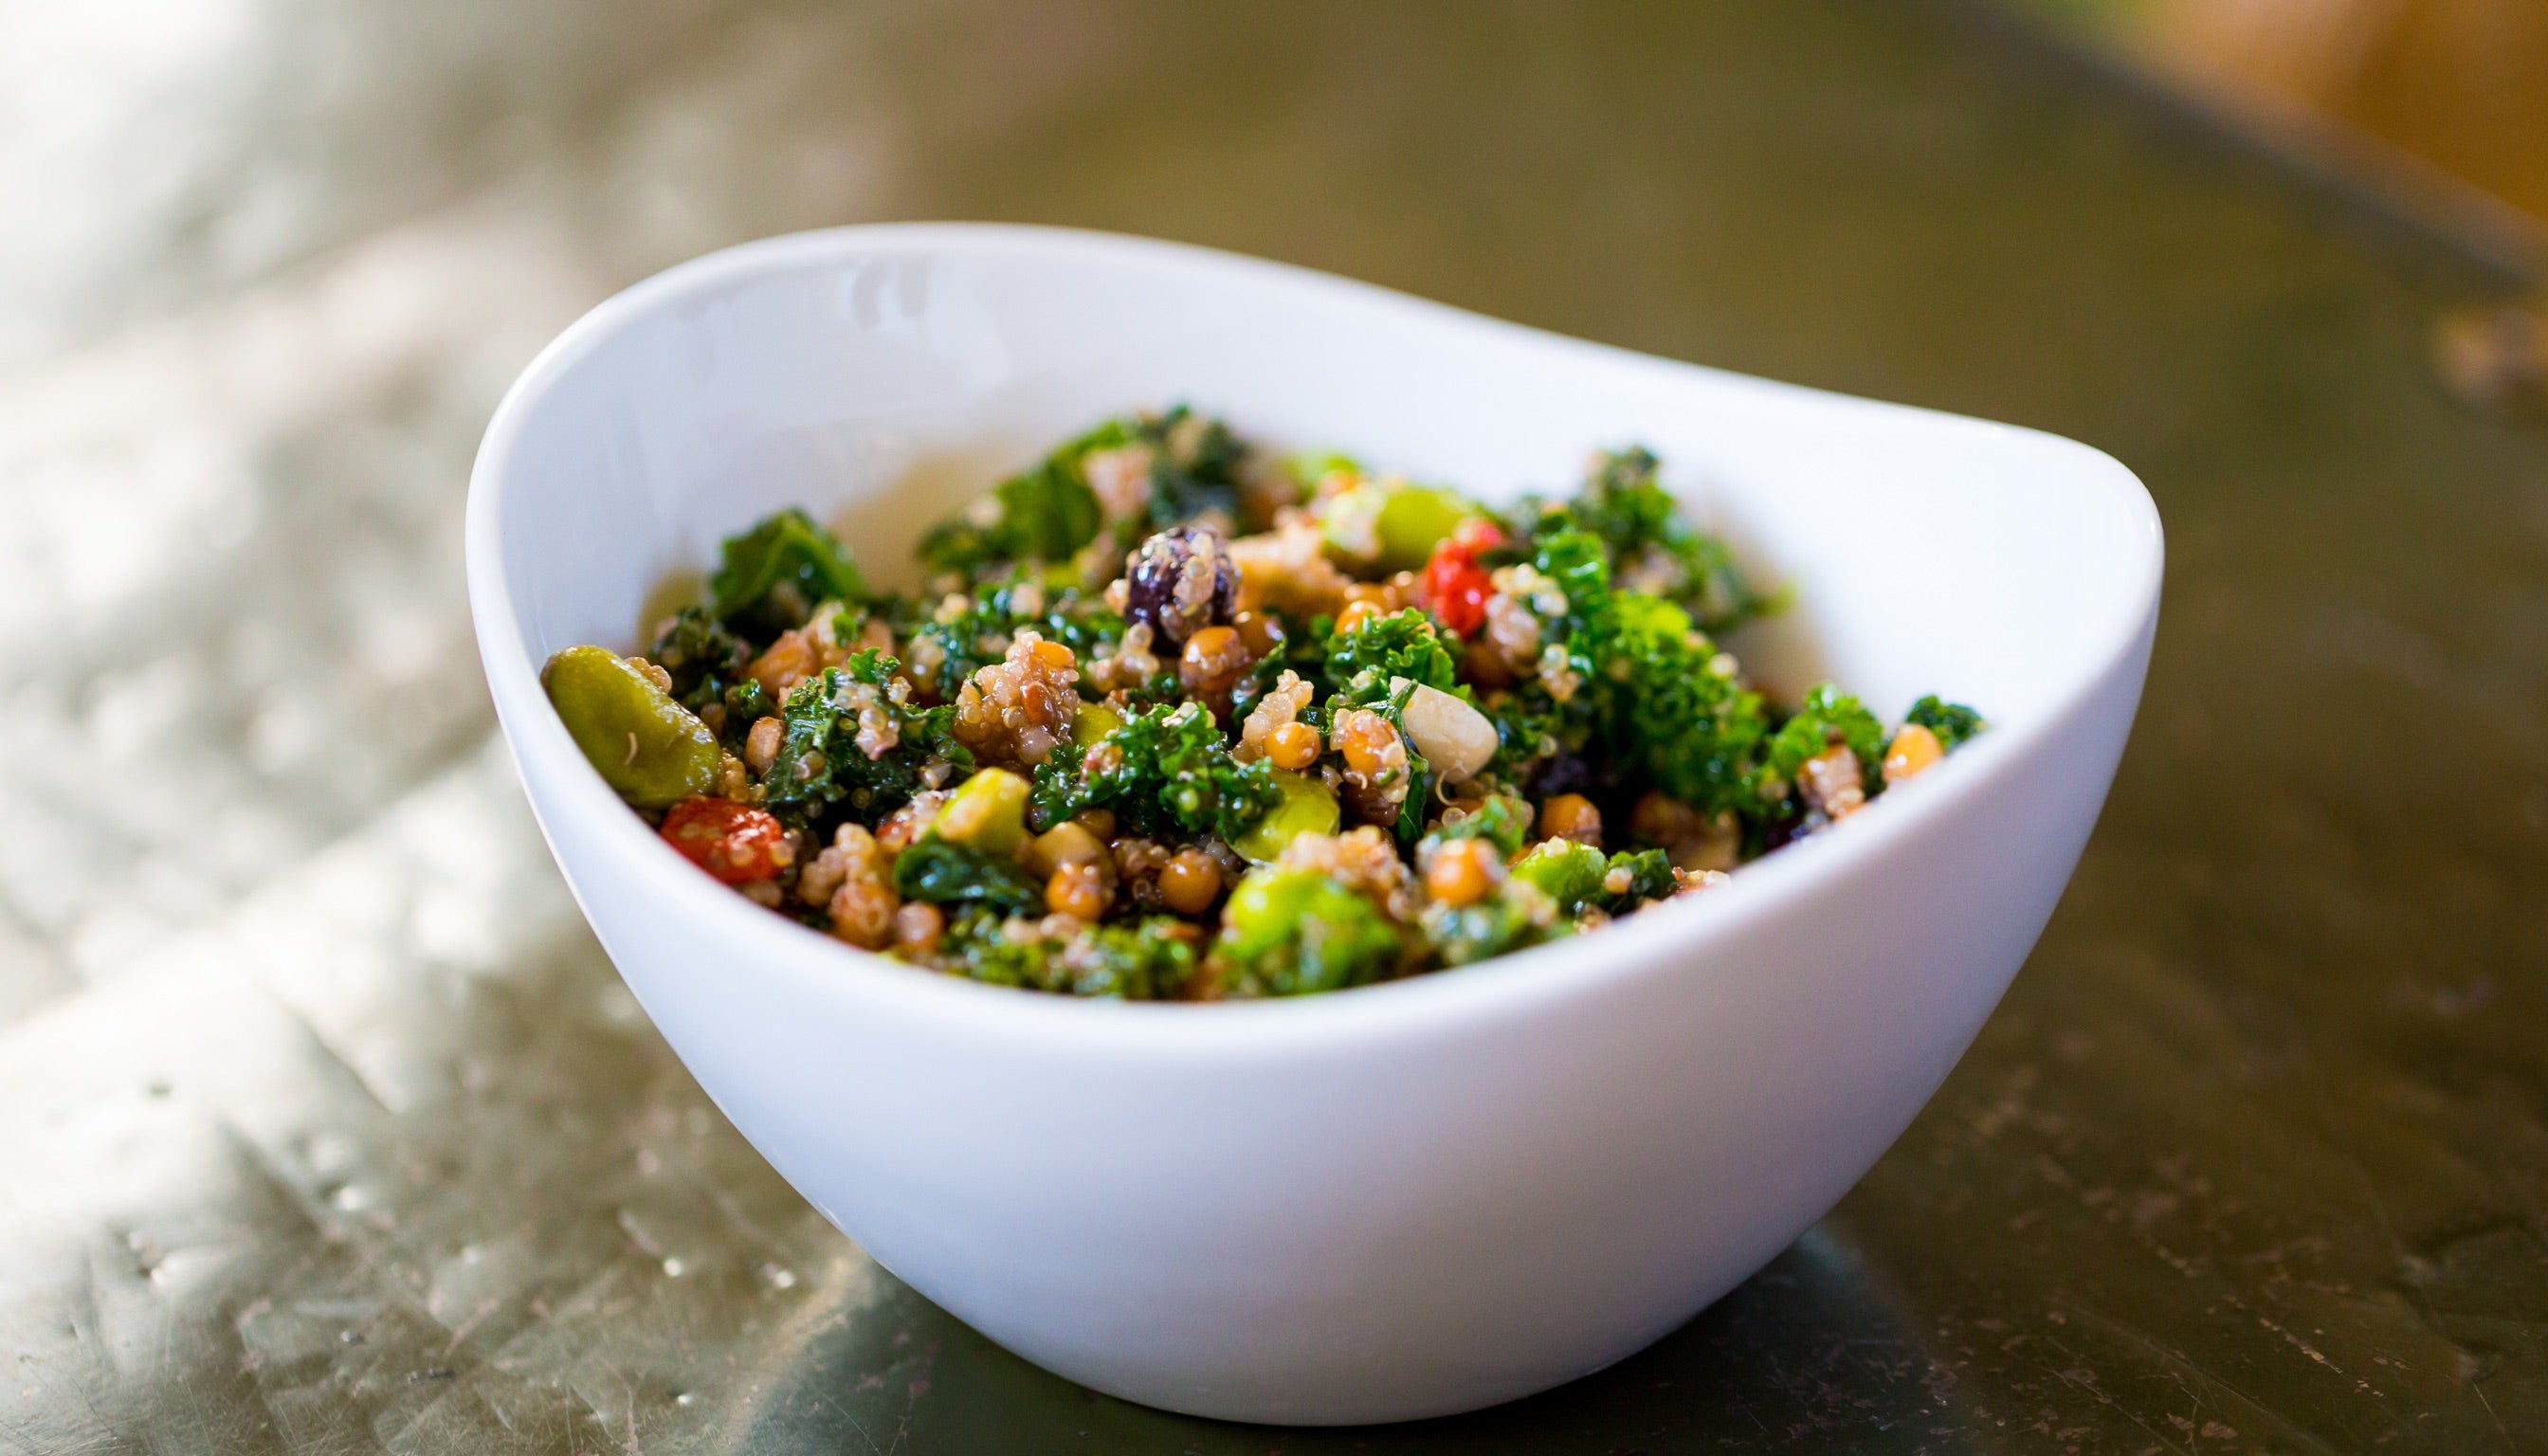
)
(1182, 581)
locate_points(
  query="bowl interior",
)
(883, 376)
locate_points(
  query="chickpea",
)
(1055, 656)
(1659, 819)
(1077, 890)
(761, 744)
(917, 927)
(1357, 611)
(1571, 816)
(1294, 746)
(1366, 740)
(1065, 844)
(1212, 661)
(1463, 871)
(1191, 883)
(1099, 822)
(1914, 749)
(1261, 631)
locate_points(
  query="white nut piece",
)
(1455, 739)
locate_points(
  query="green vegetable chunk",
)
(648, 748)
(944, 874)
(1393, 527)
(1568, 873)
(987, 812)
(1952, 722)
(704, 658)
(1307, 806)
(769, 577)
(1292, 932)
(1413, 520)
(1091, 721)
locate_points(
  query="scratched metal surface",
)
(326, 1127)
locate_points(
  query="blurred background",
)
(2442, 95)
(330, 1128)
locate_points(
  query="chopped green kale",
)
(1500, 819)
(1952, 722)
(769, 578)
(968, 641)
(819, 762)
(1364, 661)
(943, 874)
(703, 658)
(1194, 466)
(1042, 513)
(1660, 708)
(1169, 771)
(1828, 716)
(1642, 876)
(1648, 544)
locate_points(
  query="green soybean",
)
(646, 747)
(1307, 806)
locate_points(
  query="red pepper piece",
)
(736, 842)
(1454, 584)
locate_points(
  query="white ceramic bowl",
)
(1393, 1202)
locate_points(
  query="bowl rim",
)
(1501, 986)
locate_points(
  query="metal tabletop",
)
(326, 1125)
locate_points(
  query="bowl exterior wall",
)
(1341, 1232)
(1391, 1203)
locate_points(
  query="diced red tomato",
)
(1476, 535)
(1454, 584)
(736, 842)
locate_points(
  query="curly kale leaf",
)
(1364, 661)
(1042, 513)
(943, 874)
(819, 762)
(1640, 876)
(1647, 543)
(769, 578)
(1952, 722)
(1049, 512)
(1825, 717)
(704, 657)
(1194, 466)
(1165, 773)
(1659, 707)
(1148, 959)
(1303, 650)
